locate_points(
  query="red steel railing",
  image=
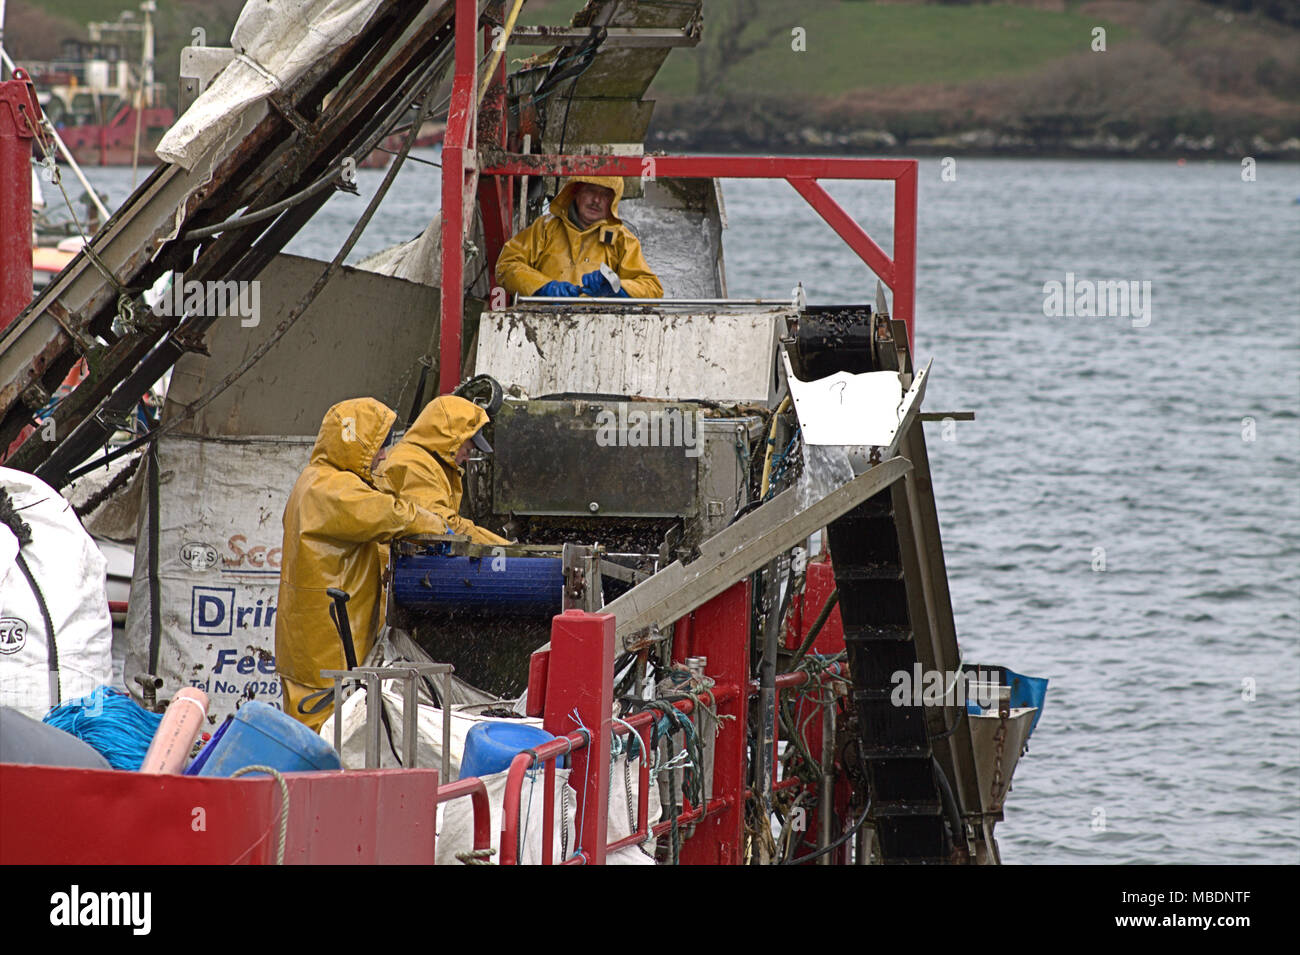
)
(472, 787)
(641, 723)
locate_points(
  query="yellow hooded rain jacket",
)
(334, 523)
(422, 466)
(554, 249)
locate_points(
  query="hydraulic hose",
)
(771, 445)
(949, 801)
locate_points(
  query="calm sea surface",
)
(1123, 516)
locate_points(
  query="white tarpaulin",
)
(275, 41)
(220, 529)
(69, 571)
(419, 260)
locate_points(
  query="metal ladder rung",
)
(881, 571)
(894, 808)
(872, 633)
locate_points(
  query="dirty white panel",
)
(674, 356)
(363, 335)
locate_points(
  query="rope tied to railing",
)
(799, 759)
(620, 747)
(476, 857)
(576, 717)
(668, 721)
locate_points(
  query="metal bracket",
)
(112, 418)
(34, 396)
(373, 677)
(295, 119)
(582, 583)
(193, 342)
(67, 322)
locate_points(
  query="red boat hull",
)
(59, 816)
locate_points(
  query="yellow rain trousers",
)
(336, 525)
(422, 466)
(554, 249)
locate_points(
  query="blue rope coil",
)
(110, 721)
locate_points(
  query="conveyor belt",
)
(880, 640)
(893, 598)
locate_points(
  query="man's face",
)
(462, 454)
(591, 203)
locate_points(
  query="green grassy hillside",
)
(866, 45)
(1009, 75)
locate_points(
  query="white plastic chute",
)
(863, 410)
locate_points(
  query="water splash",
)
(825, 468)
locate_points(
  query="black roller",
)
(834, 338)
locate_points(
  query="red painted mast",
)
(19, 114)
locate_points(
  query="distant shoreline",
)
(983, 144)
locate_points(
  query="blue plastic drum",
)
(261, 735)
(490, 746)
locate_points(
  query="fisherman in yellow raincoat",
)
(561, 254)
(335, 524)
(425, 467)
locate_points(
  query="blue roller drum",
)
(496, 585)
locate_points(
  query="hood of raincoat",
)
(445, 424)
(351, 434)
(560, 204)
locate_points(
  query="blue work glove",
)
(597, 286)
(559, 290)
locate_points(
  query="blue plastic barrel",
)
(489, 747)
(260, 735)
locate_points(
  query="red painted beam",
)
(495, 195)
(495, 207)
(457, 163)
(905, 252)
(719, 630)
(698, 167)
(846, 228)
